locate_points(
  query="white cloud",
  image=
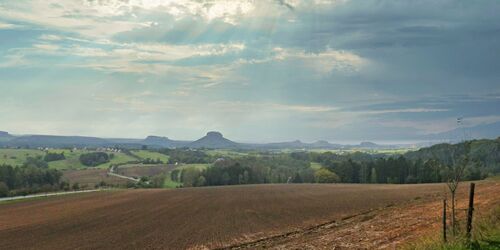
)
(409, 110)
(50, 47)
(325, 61)
(68, 16)
(50, 37)
(9, 26)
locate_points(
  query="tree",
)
(4, 190)
(297, 178)
(374, 175)
(201, 181)
(324, 175)
(189, 176)
(225, 178)
(35, 162)
(459, 159)
(174, 175)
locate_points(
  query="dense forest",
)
(480, 159)
(246, 170)
(32, 177)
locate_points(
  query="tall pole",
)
(470, 210)
(444, 220)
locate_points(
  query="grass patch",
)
(72, 160)
(225, 153)
(145, 154)
(16, 157)
(169, 183)
(199, 166)
(119, 158)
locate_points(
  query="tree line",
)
(427, 165)
(32, 177)
(251, 170)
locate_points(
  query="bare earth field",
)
(91, 177)
(137, 171)
(254, 216)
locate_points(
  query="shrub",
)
(326, 176)
(54, 157)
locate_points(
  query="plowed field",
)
(192, 218)
(90, 177)
(138, 171)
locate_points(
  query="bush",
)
(326, 176)
(54, 157)
(35, 162)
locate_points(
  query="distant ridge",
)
(4, 136)
(213, 139)
(56, 141)
(482, 131)
(163, 142)
(367, 144)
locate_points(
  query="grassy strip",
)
(486, 235)
(144, 154)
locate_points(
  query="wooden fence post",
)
(470, 210)
(444, 220)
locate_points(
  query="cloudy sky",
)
(264, 70)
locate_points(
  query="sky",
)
(257, 71)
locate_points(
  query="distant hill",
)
(367, 144)
(321, 144)
(163, 142)
(282, 145)
(213, 139)
(56, 141)
(482, 131)
(5, 137)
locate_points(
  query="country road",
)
(112, 173)
(46, 195)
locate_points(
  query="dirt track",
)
(201, 217)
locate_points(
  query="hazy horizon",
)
(259, 140)
(257, 71)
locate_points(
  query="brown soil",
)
(387, 228)
(217, 217)
(138, 171)
(90, 177)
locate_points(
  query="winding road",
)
(46, 195)
(112, 173)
